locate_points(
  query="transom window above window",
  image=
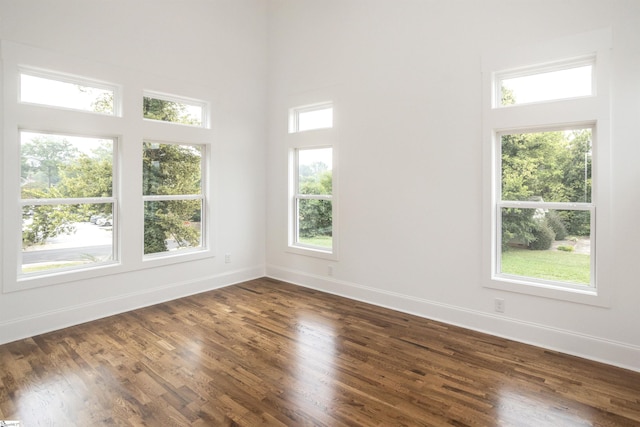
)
(311, 117)
(174, 109)
(76, 93)
(545, 83)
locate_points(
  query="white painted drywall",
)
(406, 80)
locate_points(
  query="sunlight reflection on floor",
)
(315, 352)
(522, 408)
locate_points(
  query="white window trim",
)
(129, 130)
(591, 110)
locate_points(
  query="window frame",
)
(500, 203)
(113, 200)
(590, 111)
(298, 196)
(201, 196)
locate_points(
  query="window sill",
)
(587, 296)
(313, 252)
(34, 281)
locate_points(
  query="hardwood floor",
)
(271, 353)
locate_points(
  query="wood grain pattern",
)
(270, 353)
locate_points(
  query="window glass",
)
(180, 111)
(314, 216)
(546, 86)
(67, 201)
(173, 200)
(315, 119)
(60, 93)
(550, 166)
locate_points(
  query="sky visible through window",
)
(559, 84)
(44, 91)
(308, 157)
(85, 145)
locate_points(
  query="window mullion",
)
(545, 205)
(172, 197)
(314, 196)
(68, 201)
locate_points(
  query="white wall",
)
(217, 47)
(405, 77)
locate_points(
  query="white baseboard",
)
(29, 326)
(577, 344)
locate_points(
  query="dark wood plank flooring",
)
(271, 353)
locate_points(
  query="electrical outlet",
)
(330, 270)
(499, 305)
(227, 258)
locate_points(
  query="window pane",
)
(61, 166)
(547, 244)
(65, 236)
(57, 93)
(171, 169)
(172, 111)
(315, 119)
(315, 171)
(547, 166)
(549, 86)
(171, 225)
(315, 223)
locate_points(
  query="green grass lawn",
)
(550, 265)
(50, 266)
(321, 241)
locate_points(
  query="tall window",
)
(173, 197)
(545, 215)
(546, 124)
(313, 204)
(68, 201)
(563, 80)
